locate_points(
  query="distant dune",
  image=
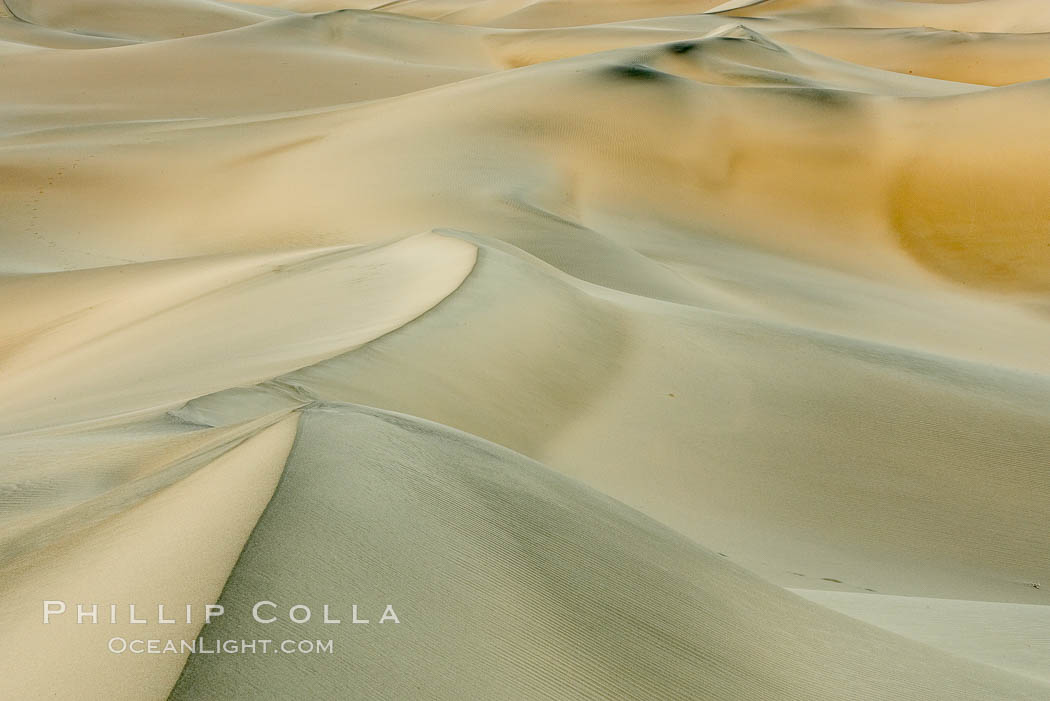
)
(654, 349)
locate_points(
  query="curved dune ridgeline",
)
(522, 583)
(656, 349)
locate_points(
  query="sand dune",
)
(170, 537)
(1016, 16)
(1008, 636)
(579, 360)
(668, 349)
(573, 169)
(376, 290)
(521, 581)
(126, 19)
(986, 58)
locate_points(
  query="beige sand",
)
(173, 546)
(586, 332)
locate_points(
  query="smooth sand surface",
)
(647, 349)
(1008, 636)
(174, 544)
(521, 582)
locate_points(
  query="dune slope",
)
(513, 580)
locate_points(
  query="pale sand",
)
(676, 310)
(326, 301)
(1008, 636)
(523, 584)
(176, 547)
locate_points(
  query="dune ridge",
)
(519, 561)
